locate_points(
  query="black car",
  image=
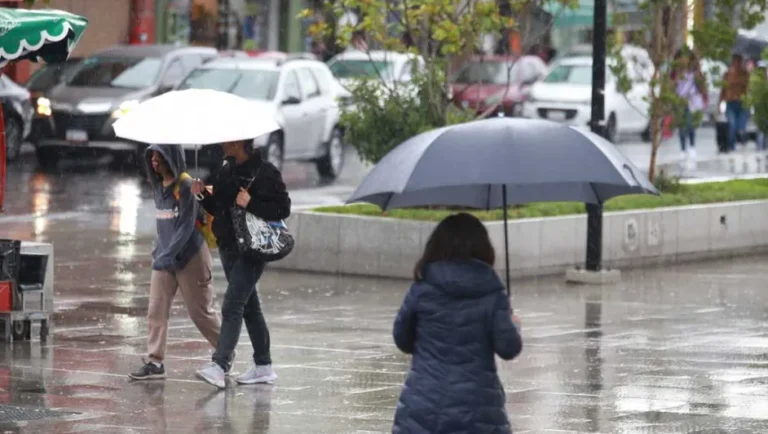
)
(49, 75)
(76, 116)
(17, 112)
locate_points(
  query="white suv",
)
(302, 94)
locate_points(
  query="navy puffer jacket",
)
(453, 321)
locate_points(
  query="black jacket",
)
(453, 322)
(269, 196)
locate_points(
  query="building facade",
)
(262, 25)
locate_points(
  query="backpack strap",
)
(183, 177)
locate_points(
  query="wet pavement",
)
(669, 350)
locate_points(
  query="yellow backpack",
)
(204, 225)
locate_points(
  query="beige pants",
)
(195, 282)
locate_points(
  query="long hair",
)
(458, 237)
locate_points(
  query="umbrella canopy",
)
(46, 34)
(49, 34)
(196, 117)
(472, 164)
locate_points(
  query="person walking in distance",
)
(691, 87)
(257, 186)
(455, 317)
(181, 259)
(735, 85)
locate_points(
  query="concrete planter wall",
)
(374, 246)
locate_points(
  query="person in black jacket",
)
(454, 318)
(268, 199)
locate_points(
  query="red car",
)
(497, 83)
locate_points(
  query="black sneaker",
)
(149, 371)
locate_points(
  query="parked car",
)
(301, 93)
(565, 95)
(497, 81)
(76, 116)
(49, 75)
(17, 113)
(393, 70)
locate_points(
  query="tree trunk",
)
(655, 126)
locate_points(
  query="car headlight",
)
(43, 106)
(124, 108)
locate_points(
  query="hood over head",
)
(173, 156)
(463, 279)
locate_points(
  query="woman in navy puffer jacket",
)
(454, 318)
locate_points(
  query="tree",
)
(438, 32)
(661, 38)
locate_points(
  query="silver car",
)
(301, 93)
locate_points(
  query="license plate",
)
(556, 115)
(78, 136)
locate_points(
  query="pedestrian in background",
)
(454, 318)
(735, 86)
(247, 182)
(691, 87)
(181, 259)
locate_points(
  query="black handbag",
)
(268, 241)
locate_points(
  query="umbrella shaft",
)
(506, 236)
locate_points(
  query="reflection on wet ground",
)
(670, 350)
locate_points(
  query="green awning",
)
(31, 34)
(565, 16)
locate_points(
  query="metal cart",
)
(26, 288)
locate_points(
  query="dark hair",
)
(458, 237)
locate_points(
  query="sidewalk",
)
(669, 350)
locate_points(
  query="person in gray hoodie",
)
(181, 259)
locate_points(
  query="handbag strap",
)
(258, 171)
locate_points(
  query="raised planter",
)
(386, 247)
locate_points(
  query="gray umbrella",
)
(495, 162)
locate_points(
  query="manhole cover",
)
(10, 413)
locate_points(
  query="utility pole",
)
(595, 211)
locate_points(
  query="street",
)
(669, 350)
(666, 351)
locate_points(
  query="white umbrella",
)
(195, 117)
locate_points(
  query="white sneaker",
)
(258, 374)
(691, 158)
(213, 374)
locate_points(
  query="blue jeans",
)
(737, 117)
(686, 129)
(241, 303)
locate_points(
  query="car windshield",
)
(488, 72)
(49, 76)
(570, 74)
(129, 72)
(247, 83)
(364, 68)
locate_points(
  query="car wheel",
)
(645, 136)
(47, 158)
(610, 129)
(273, 151)
(14, 138)
(329, 166)
(125, 160)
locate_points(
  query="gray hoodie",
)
(177, 238)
